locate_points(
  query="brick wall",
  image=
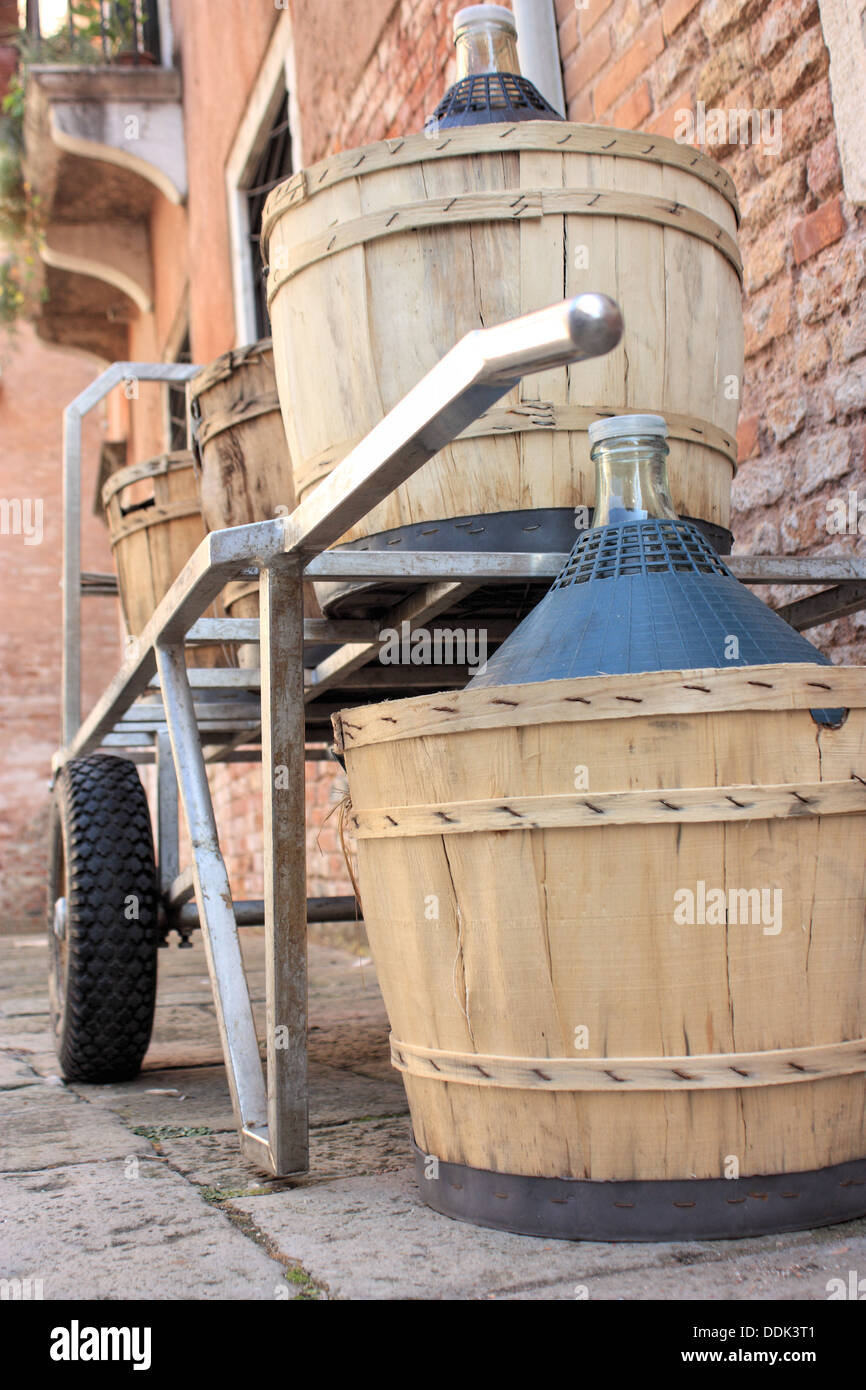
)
(37, 383)
(802, 436)
(237, 793)
(402, 83)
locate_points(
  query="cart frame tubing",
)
(270, 1107)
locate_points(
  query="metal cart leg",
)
(167, 828)
(216, 913)
(168, 854)
(281, 637)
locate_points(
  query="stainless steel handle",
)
(471, 378)
(589, 325)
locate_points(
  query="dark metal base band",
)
(544, 530)
(540, 530)
(685, 1209)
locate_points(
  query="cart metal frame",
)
(150, 713)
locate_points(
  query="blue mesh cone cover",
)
(645, 596)
(488, 98)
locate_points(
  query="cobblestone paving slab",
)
(112, 1230)
(202, 1098)
(797, 1267)
(370, 1238)
(15, 1071)
(356, 1149)
(48, 1126)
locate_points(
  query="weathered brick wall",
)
(410, 70)
(37, 383)
(801, 437)
(237, 793)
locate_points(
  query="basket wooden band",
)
(656, 694)
(724, 1071)
(211, 425)
(548, 415)
(559, 139)
(502, 206)
(229, 364)
(151, 468)
(154, 516)
(529, 416)
(681, 805)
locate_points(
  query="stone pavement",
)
(138, 1191)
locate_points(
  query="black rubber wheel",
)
(102, 920)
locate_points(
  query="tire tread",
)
(110, 991)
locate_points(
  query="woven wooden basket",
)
(381, 258)
(619, 927)
(155, 523)
(244, 467)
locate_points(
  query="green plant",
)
(216, 1195)
(308, 1291)
(112, 25)
(75, 44)
(170, 1131)
(98, 31)
(21, 232)
(22, 288)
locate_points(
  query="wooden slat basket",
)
(243, 462)
(619, 927)
(381, 258)
(155, 523)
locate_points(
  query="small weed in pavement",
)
(215, 1195)
(296, 1276)
(169, 1131)
(301, 1280)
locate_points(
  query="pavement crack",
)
(75, 1163)
(360, 1119)
(309, 1289)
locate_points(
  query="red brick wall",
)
(237, 792)
(221, 48)
(804, 245)
(402, 83)
(30, 643)
(327, 66)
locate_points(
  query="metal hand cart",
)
(110, 897)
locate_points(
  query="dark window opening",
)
(177, 403)
(273, 166)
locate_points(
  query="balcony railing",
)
(100, 138)
(112, 32)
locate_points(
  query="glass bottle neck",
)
(631, 481)
(485, 46)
